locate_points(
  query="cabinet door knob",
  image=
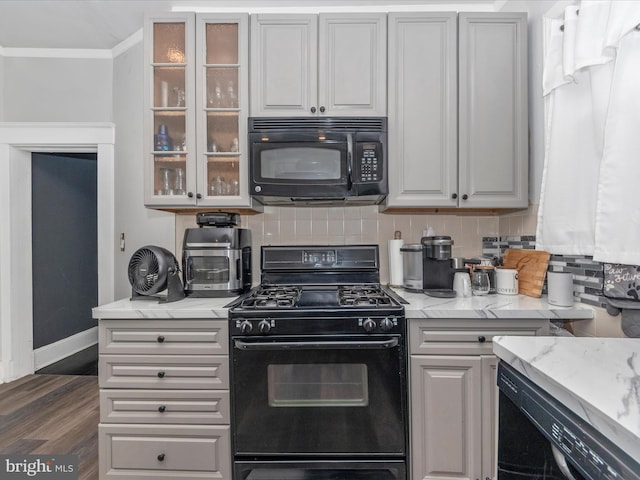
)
(161, 457)
(454, 195)
(198, 195)
(482, 339)
(190, 194)
(313, 109)
(160, 338)
(465, 196)
(162, 408)
(321, 109)
(160, 374)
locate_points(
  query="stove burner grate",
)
(273, 297)
(363, 296)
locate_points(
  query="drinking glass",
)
(480, 283)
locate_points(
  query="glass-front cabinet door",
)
(169, 121)
(222, 99)
(196, 110)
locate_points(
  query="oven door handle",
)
(350, 344)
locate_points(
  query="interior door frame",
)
(17, 142)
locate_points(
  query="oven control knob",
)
(246, 327)
(386, 324)
(369, 325)
(264, 327)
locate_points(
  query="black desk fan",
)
(152, 270)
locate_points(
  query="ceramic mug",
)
(507, 281)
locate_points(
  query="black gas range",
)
(324, 290)
(318, 367)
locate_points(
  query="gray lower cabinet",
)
(453, 395)
(164, 399)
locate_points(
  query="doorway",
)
(64, 249)
(17, 143)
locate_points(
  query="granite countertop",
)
(489, 306)
(420, 306)
(596, 378)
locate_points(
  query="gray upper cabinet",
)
(458, 110)
(422, 110)
(493, 117)
(327, 64)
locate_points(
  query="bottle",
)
(162, 140)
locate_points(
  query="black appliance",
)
(437, 265)
(318, 160)
(318, 367)
(216, 256)
(152, 270)
(541, 439)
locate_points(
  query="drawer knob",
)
(482, 339)
(161, 457)
(160, 338)
(160, 374)
(162, 408)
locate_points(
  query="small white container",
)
(560, 288)
(462, 284)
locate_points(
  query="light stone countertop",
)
(490, 306)
(596, 378)
(149, 307)
(420, 306)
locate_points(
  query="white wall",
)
(57, 89)
(1, 86)
(140, 225)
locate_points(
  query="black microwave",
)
(318, 160)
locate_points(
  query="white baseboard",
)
(56, 351)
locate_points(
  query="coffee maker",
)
(216, 256)
(437, 266)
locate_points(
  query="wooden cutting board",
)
(532, 268)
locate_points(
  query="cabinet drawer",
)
(168, 452)
(160, 372)
(164, 337)
(196, 407)
(466, 337)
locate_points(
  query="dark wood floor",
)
(52, 414)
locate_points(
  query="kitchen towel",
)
(630, 315)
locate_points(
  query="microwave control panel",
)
(369, 162)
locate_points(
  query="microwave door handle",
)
(349, 161)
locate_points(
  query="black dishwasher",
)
(540, 439)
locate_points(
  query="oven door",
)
(319, 396)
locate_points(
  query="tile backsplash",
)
(352, 225)
(473, 235)
(588, 275)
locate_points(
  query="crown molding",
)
(127, 43)
(78, 53)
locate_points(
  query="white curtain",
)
(590, 198)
